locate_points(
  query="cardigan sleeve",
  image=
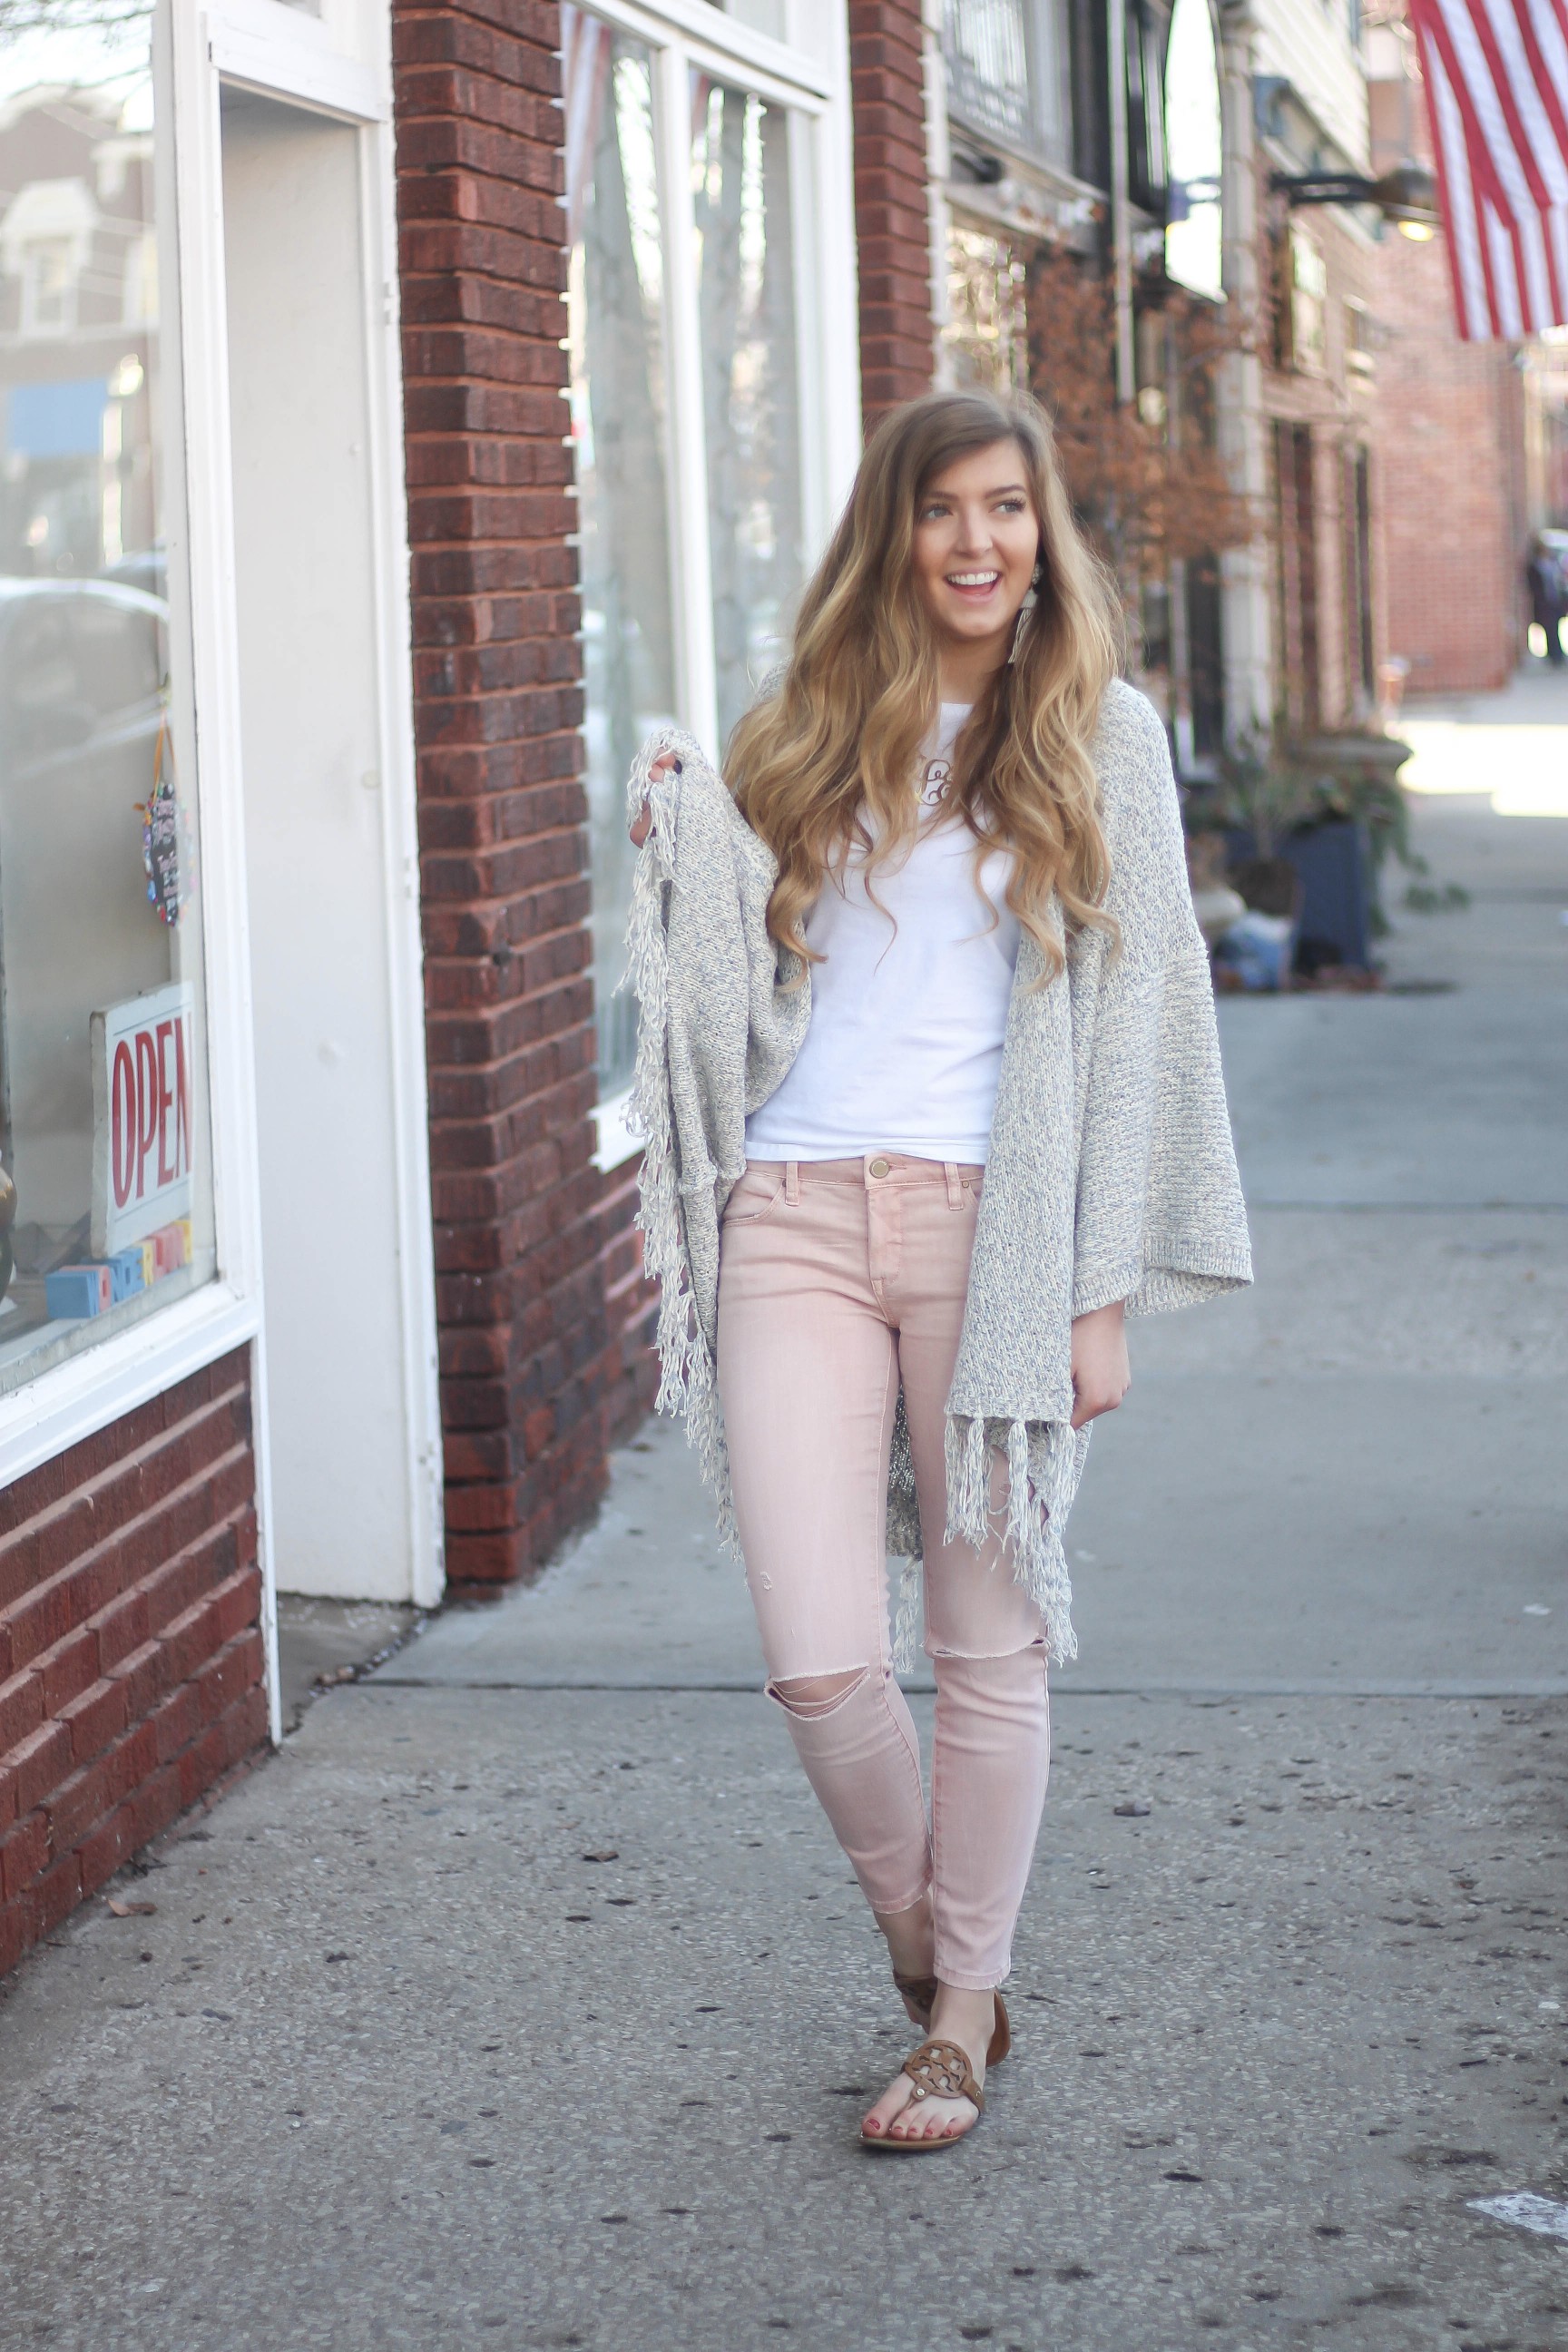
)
(716, 1028)
(1160, 1220)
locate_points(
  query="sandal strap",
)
(940, 2070)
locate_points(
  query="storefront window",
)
(105, 1199)
(686, 413)
(616, 322)
(741, 195)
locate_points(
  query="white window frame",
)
(340, 65)
(808, 75)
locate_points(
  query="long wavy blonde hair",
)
(829, 759)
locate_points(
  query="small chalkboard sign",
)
(168, 856)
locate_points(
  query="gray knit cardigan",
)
(1112, 1173)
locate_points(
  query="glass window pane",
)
(741, 195)
(615, 338)
(987, 54)
(105, 1206)
(762, 15)
(1195, 141)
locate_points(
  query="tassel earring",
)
(1025, 610)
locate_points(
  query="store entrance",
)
(348, 1288)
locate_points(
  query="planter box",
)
(1334, 863)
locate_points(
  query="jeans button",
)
(878, 1167)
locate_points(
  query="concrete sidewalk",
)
(524, 2000)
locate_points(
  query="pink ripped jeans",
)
(838, 1280)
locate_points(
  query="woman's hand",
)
(642, 823)
(1101, 1375)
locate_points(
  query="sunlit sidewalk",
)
(1514, 746)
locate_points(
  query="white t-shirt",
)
(909, 1005)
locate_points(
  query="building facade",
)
(1456, 533)
(404, 406)
(1152, 141)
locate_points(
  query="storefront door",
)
(324, 725)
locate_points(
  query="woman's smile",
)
(976, 544)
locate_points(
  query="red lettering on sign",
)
(166, 1169)
(146, 1104)
(122, 1124)
(181, 1098)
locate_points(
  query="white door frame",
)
(274, 50)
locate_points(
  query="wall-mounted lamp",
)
(986, 171)
(1407, 195)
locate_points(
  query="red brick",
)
(237, 1603)
(21, 1708)
(192, 1637)
(203, 1763)
(224, 1679)
(37, 1764)
(107, 1847)
(120, 1628)
(176, 1721)
(68, 1669)
(81, 1802)
(51, 1898)
(155, 1802)
(95, 1718)
(145, 1674)
(887, 77)
(172, 1590)
(24, 1853)
(93, 1790)
(244, 1726)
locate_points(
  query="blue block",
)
(125, 1279)
(73, 1291)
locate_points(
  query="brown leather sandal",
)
(938, 2069)
(921, 1990)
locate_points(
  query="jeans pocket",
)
(756, 1196)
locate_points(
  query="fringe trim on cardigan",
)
(1045, 1462)
(687, 1383)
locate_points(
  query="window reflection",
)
(1194, 140)
(616, 327)
(98, 929)
(741, 190)
(988, 63)
(762, 15)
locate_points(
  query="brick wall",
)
(536, 1272)
(544, 1313)
(1451, 450)
(891, 207)
(131, 1653)
(1451, 455)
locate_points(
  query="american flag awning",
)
(1496, 94)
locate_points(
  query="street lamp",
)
(1407, 195)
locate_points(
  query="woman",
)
(929, 1077)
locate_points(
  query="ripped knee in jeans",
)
(809, 1696)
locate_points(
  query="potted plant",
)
(1309, 825)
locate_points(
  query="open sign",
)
(143, 1063)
